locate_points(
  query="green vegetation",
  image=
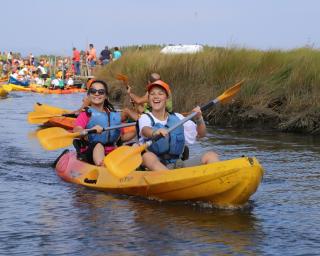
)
(281, 89)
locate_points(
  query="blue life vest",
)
(172, 146)
(104, 119)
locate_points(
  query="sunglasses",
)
(99, 91)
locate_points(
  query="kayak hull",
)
(37, 89)
(225, 183)
(3, 92)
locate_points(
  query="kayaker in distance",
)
(166, 151)
(100, 114)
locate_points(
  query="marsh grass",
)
(281, 89)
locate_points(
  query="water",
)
(43, 215)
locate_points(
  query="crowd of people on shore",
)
(91, 59)
(53, 72)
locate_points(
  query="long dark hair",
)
(108, 107)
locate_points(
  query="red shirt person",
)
(76, 61)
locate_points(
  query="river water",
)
(43, 215)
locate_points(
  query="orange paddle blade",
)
(122, 78)
(124, 160)
(228, 94)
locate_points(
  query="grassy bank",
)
(281, 89)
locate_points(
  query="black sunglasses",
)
(99, 91)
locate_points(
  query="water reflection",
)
(150, 227)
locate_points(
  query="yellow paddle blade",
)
(122, 77)
(228, 94)
(49, 109)
(7, 87)
(55, 138)
(39, 118)
(124, 160)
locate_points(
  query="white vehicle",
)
(182, 48)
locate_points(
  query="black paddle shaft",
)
(109, 128)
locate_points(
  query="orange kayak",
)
(57, 91)
(61, 121)
(68, 123)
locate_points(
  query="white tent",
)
(182, 48)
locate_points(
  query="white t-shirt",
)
(190, 128)
(42, 70)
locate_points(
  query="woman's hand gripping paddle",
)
(55, 137)
(124, 160)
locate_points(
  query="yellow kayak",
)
(224, 183)
(4, 90)
(19, 87)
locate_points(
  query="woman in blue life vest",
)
(100, 114)
(168, 149)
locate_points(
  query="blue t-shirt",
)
(116, 55)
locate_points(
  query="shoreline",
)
(280, 92)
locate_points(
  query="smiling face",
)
(157, 98)
(97, 94)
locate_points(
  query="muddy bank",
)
(234, 115)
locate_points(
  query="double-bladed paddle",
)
(125, 159)
(56, 137)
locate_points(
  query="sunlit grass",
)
(281, 84)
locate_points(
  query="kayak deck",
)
(224, 183)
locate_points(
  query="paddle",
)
(43, 108)
(122, 78)
(55, 137)
(125, 159)
(41, 118)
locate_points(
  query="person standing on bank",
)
(167, 150)
(116, 54)
(92, 56)
(76, 61)
(105, 56)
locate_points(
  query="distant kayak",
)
(4, 90)
(35, 88)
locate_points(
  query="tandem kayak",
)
(224, 183)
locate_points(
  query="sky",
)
(55, 26)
